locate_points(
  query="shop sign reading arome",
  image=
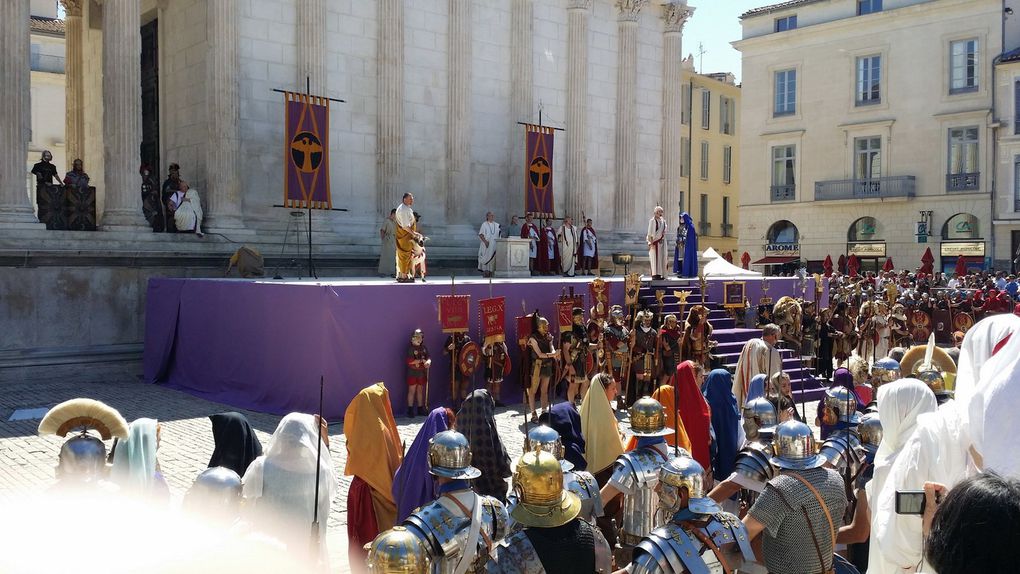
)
(782, 249)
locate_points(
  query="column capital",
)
(630, 10)
(676, 14)
(72, 7)
(579, 5)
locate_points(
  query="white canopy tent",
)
(716, 266)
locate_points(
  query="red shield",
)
(469, 357)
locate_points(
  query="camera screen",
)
(910, 502)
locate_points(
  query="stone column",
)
(122, 113)
(74, 90)
(390, 113)
(458, 106)
(311, 17)
(578, 16)
(625, 192)
(675, 15)
(15, 113)
(521, 94)
(223, 171)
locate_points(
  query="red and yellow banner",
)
(493, 312)
(306, 152)
(454, 313)
(599, 291)
(524, 329)
(538, 171)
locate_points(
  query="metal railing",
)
(727, 229)
(875, 188)
(704, 228)
(963, 181)
(784, 192)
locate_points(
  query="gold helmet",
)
(397, 551)
(538, 483)
(670, 321)
(932, 366)
(648, 418)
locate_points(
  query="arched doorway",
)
(781, 252)
(864, 239)
(961, 235)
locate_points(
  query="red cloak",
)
(694, 413)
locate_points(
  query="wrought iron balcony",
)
(963, 181)
(784, 192)
(727, 230)
(875, 188)
(704, 228)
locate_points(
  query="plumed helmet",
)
(759, 414)
(648, 418)
(885, 370)
(546, 438)
(538, 483)
(938, 372)
(450, 456)
(684, 472)
(397, 551)
(216, 488)
(794, 445)
(844, 403)
(82, 457)
(870, 431)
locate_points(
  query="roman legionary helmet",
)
(616, 313)
(450, 456)
(885, 370)
(794, 445)
(397, 551)
(648, 418)
(217, 488)
(83, 456)
(684, 472)
(840, 406)
(759, 415)
(547, 439)
(870, 431)
(933, 367)
(538, 484)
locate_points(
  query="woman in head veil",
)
(281, 483)
(135, 467)
(602, 444)
(564, 419)
(412, 484)
(477, 421)
(725, 422)
(235, 440)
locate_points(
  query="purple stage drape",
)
(263, 345)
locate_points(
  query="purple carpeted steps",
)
(730, 338)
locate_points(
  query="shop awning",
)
(775, 260)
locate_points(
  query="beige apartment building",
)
(868, 128)
(710, 167)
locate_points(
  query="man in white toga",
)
(487, 236)
(566, 235)
(656, 239)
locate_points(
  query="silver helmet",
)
(843, 403)
(82, 457)
(870, 430)
(759, 414)
(450, 456)
(794, 446)
(885, 370)
(216, 489)
(546, 438)
(754, 461)
(684, 472)
(843, 448)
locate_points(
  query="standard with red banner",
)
(493, 315)
(454, 313)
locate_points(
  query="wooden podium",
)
(512, 257)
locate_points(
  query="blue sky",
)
(715, 24)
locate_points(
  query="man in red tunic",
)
(548, 250)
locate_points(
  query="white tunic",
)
(590, 242)
(487, 253)
(656, 245)
(567, 237)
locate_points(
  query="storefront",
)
(961, 236)
(863, 239)
(781, 255)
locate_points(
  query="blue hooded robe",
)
(685, 254)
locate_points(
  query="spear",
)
(318, 457)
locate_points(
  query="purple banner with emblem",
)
(538, 180)
(306, 152)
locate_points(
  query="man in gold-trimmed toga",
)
(407, 235)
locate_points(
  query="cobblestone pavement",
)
(27, 460)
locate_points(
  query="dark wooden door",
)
(150, 97)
